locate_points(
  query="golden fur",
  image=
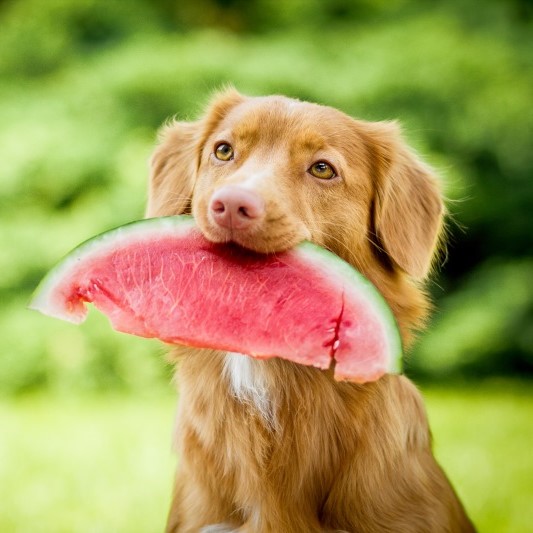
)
(336, 456)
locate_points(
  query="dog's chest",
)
(248, 385)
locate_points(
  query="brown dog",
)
(271, 446)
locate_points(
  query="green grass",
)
(483, 438)
(104, 464)
(100, 464)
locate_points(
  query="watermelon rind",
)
(41, 298)
(355, 279)
(350, 278)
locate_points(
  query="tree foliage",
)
(84, 85)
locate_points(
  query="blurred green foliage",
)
(84, 84)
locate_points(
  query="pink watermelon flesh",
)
(161, 278)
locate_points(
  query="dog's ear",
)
(408, 206)
(175, 162)
(173, 169)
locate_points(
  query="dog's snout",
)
(234, 207)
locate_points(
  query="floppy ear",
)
(174, 164)
(173, 169)
(408, 207)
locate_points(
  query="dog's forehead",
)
(274, 118)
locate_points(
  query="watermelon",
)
(162, 278)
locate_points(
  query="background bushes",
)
(84, 85)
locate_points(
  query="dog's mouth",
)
(258, 241)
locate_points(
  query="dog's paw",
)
(218, 528)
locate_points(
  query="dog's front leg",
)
(280, 518)
(253, 528)
(219, 528)
(194, 508)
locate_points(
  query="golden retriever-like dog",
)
(271, 446)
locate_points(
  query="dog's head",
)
(269, 172)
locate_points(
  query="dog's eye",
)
(224, 152)
(322, 170)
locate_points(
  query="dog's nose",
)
(233, 207)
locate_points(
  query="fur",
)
(271, 446)
(248, 385)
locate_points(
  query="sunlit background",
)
(86, 413)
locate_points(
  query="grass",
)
(104, 464)
(483, 436)
(100, 464)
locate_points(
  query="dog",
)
(271, 446)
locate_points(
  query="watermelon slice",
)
(161, 278)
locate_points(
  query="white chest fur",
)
(247, 383)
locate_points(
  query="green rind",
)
(353, 276)
(39, 299)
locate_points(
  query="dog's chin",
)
(254, 241)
